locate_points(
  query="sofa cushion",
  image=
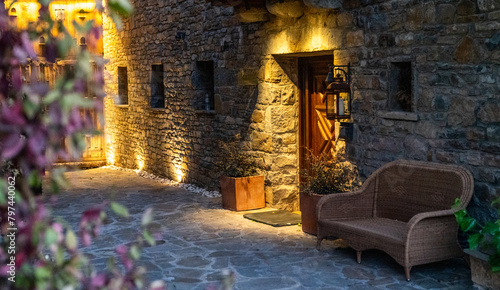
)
(374, 229)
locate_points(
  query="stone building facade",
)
(425, 85)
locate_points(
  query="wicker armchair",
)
(403, 209)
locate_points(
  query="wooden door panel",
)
(318, 132)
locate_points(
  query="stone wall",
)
(454, 50)
(451, 47)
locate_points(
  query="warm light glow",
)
(110, 149)
(179, 175)
(69, 11)
(140, 162)
(179, 169)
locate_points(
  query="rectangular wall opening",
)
(203, 83)
(122, 86)
(401, 87)
(157, 88)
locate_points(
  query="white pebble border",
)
(188, 187)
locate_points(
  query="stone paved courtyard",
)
(199, 240)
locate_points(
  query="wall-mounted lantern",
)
(338, 92)
(82, 15)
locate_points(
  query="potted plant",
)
(484, 247)
(324, 174)
(240, 185)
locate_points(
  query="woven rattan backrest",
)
(405, 188)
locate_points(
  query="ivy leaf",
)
(119, 209)
(474, 240)
(467, 224)
(491, 228)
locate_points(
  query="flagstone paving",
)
(200, 242)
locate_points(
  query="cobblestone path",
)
(199, 240)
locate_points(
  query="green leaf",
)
(491, 228)
(119, 209)
(122, 7)
(50, 237)
(3, 197)
(30, 108)
(147, 217)
(34, 179)
(111, 263)
(42, 273)
(51, 97)
(64, 45)
(148, 237)
(467, 224)
(71, 241)
(474, 240)
(135, 253)
(59, 256)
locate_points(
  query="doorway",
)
(317, 133)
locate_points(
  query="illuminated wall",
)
(21, 13)
(254, 94)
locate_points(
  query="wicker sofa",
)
(403, 209)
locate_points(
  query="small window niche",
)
(401, 87)
(122, 86)
(157, 89)
(203, 83)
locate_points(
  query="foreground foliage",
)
(486, 236)
(39, 251)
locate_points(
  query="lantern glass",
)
(330, 105)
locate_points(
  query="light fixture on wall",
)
(338, 92)
(82, 15)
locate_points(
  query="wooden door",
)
(317, 132)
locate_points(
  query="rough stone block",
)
(414, 17)
(489, 113)
(445, 13)
(283, 119)
(493, 133)
(467, 51)
(427, 129)
(416, 147)
(488, 5)
(261, 141)
(462, 112)
(355, 38)
(466, 7)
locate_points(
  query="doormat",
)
(275, 218)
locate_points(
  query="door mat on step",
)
(275, 218)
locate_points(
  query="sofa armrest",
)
(354, 204)
(438, 220)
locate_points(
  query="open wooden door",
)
(317, 132)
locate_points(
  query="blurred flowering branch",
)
(34, 119)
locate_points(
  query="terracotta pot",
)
(308, 204)
(242, 193)
(480, 270)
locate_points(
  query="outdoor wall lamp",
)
(338, 92)
(82, 15)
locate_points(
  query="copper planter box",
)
(308, 204)
(242, 193)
